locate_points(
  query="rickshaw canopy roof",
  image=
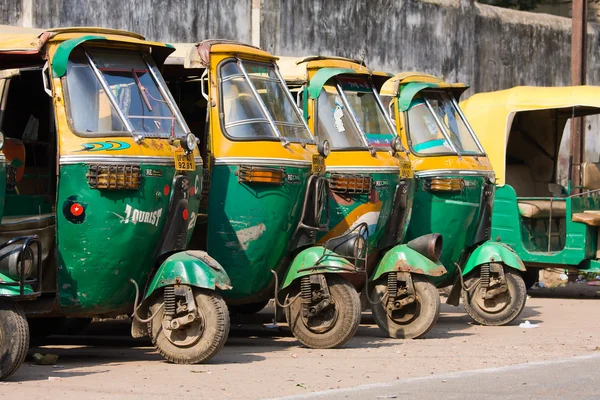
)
(491, 114)
(406, 85)
(296, 69)
(28, 43)
(196, 55)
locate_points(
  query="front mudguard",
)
(313, 261)
(192, 268)
(493, 252)
(402, 258)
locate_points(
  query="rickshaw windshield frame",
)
(266, 116)
(154, 82)
(444, 129)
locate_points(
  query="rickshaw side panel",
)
(251, 225)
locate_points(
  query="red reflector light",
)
(185, 215)
(76, 209)
(166, 190)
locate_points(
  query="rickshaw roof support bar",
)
(109, 94)
(321, 77)
(262, 105)
(388, 121)
(347, 104)
(63, 51)
(167, 95)
(473, 135)
(291, 99)
(442, 127)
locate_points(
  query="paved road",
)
(574, 378)
(258, 362)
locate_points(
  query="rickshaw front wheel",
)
(333, 326)
(14, 338)
(197, 341)
(411, 321)
(503, 308)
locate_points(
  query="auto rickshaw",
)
(99, 188)
(371, 183)
(454, 196)
(267, 199)
(549, 222)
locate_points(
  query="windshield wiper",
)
(141, 89)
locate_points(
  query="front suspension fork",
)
(314, 302)
(399, 297)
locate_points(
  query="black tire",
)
(501, 310)
(248, 309)
(412, 321)
(74, 326)
(14, 338)
(210, 330)
(344, 315)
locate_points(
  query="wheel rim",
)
(492, 306)
(322, 322)
(190, 334)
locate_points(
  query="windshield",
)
(143, 108)
(341, 101)
(433, 119)
(243, 111)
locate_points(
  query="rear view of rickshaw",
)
(99, 194)
(539, 212)
(454, 196)
(267, 199)
(371, 183)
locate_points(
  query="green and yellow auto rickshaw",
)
(538, 212)
(372, 184)
(267, 199)
(454, 196)
(99, 189)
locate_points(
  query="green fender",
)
(490, 252)
(11, 291)
(305, 263)
(404, 259)
(193, 268)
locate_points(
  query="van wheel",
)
(334, 325)
(413, 320)
(14, 338)
(500, 310)
(197, 341)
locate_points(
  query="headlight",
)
(190, 142)
(324, 148)
(359, 246)
(1, 140)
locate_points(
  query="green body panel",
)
(404, 259)
(580, 239)
(409, 91)
(251, 225)
(61, 57)
(12, 291)
(321, 77)
(183, 268)
(115, 241)
(490, 252)
(305, 263)
(381, 198)
(454, 215)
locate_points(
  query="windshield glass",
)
(132, 88)
(335, 122)
(429, 135)
(243, 114)
(371, 117)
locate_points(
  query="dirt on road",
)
(265, 363)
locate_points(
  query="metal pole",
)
(578, 71)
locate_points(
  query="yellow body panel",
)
(490, 114)
(361, 158)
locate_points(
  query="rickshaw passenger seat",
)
(590, 176)
(520, 178)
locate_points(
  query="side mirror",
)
(1, 140)
(324, 148)
(396, 145)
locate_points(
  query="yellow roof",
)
(491, 114)
(392, 85)
(189, 54)
(295, 69)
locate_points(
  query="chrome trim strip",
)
(2, 158)
(361, 169)
(261, 161)
(441, 172)
(88, 159)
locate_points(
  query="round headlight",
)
(324, 148)
(1, 140)
(190, 142)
